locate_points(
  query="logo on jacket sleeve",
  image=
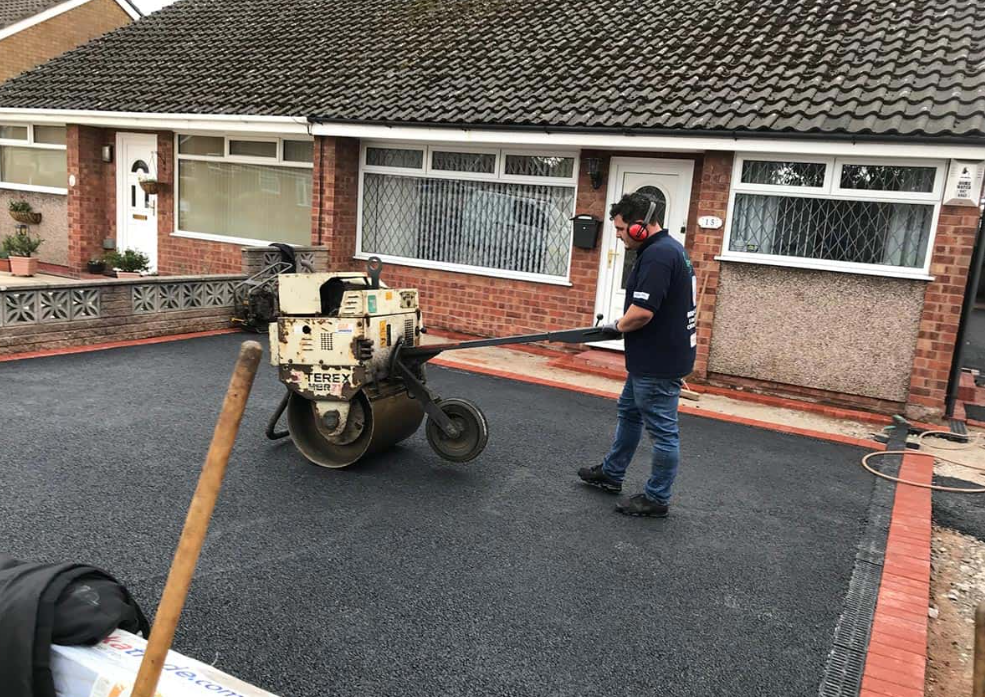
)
(640, 295)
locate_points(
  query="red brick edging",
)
(897, 656)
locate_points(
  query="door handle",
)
(612, 255)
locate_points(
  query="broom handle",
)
(197, 520)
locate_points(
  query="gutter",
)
(679, 132)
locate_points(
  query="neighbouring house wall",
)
(838, 332)
(38, 43)
(53, 228)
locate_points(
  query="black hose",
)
(271, 431)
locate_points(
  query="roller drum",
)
(374, 425)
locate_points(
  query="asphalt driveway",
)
(407, 576)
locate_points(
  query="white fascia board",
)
(161, 122)
(44, 16)
(683, 143)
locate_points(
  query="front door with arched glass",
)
(136, 218)
(669, 181)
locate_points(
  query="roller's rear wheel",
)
(473, 431)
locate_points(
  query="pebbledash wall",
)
(865, 341)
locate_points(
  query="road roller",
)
(348, 349)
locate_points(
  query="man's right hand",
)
(610, 330)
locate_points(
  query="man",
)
(658, 326)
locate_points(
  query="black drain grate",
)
(975, 411)
(846, 660)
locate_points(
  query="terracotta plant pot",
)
(23, 266)
(5, 265)
(32, 218)
(127, 274)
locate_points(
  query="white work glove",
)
(609, 330)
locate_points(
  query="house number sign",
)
(709, 222)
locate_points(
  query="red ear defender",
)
(638, 229)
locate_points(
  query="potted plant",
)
(148, 182)
(19, 247)
(21, 211)
(96, 265)
(128, 263)
(4, 260)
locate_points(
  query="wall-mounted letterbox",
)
(586, 231)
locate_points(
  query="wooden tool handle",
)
(197, 520)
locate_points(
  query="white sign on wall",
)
(709, 222)
(964, 183)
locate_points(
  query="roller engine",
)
(349, 351)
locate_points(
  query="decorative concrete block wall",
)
(45, 317)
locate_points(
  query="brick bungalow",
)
(821, 162)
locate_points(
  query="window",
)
(842, 214)
(480, 210)
(32, 158)
(257, 193)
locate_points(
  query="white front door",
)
(136, 218)
(670, 182)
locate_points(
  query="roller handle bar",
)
(566, 336)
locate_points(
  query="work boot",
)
(594, 476)
(640, 505)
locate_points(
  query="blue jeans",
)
(650, 402)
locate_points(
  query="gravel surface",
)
(407, 576)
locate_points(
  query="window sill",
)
(470, 270)
(223, 238)
(33, 188)
(820, 265)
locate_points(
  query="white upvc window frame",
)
(530, 179)
(426, 172)
(430, 171)
(30, 143)
(279, 161)
(833, 190)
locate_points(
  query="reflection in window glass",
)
(776, 173)
(33, 166)
(539, 166)
(50, 135)
(484, 163)
(299, 151)
(865, 232)
(395, 157)
(212, 146)
(13, 132)
(253, 148)
(239, 200)
(888, 178)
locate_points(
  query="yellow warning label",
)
(383, 341)
(389, 295)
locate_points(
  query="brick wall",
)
(711, 188)
(335, 200)
(92, 201)
(953, 250)
(38, 43)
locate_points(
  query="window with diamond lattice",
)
(842, 214)
(865, 232)
(522, 228)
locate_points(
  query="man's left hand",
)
(611, 330)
